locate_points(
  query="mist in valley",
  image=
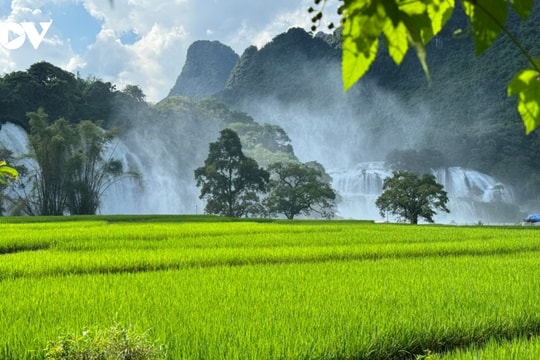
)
(350, 139)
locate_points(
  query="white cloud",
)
(164, 30)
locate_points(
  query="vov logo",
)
(13, 35)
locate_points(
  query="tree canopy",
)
(412, 24)
(296, 188)
(412, 197)
(230, 181)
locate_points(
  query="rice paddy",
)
(215, 289)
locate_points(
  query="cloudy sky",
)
(140, 42)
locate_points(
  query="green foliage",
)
(7, 173)
(403, 23)
(265, 143)
(114, 343)
(487, 18)
(73, 171)
(296, 188)
(526, 86)
(59, 93)
(230, 181)
(50, 147)
(412, 197)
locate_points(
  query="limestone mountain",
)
(206, 69)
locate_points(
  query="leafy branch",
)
(405, 24)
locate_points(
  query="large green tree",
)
(404, 24)
(412, 197)
(229, 181)
(296, 188)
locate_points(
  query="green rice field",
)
(212, 288)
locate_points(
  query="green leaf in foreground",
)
(361, 34)
(487, 18)
(404, 24)
(7, 173)
(522, 7)
(526, 85)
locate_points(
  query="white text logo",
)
(13, 35)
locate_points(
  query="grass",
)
(210, 288)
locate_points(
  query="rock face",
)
(206, 70)
(288, 67)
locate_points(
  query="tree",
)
(73, 168)
(296, 188)
(92, 169)
(50, 147)
(405, 24)
(412, 197)
(230, 181)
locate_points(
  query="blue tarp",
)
(533, 218)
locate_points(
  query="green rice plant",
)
(342, 309)
(97, 247)
(520, 348)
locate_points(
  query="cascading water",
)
(473, 197)
(167, 189)
(358, 188)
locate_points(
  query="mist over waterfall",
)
(166, 187)
(165, 154)
(351, 140)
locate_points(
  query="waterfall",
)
(14, 138)
(473, 196)
(168, 187)
(358, 188)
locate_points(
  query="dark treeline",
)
(62, 94)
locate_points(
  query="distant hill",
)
(206, 69)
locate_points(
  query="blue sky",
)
(142, 42)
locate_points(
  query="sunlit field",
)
(210, 288)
